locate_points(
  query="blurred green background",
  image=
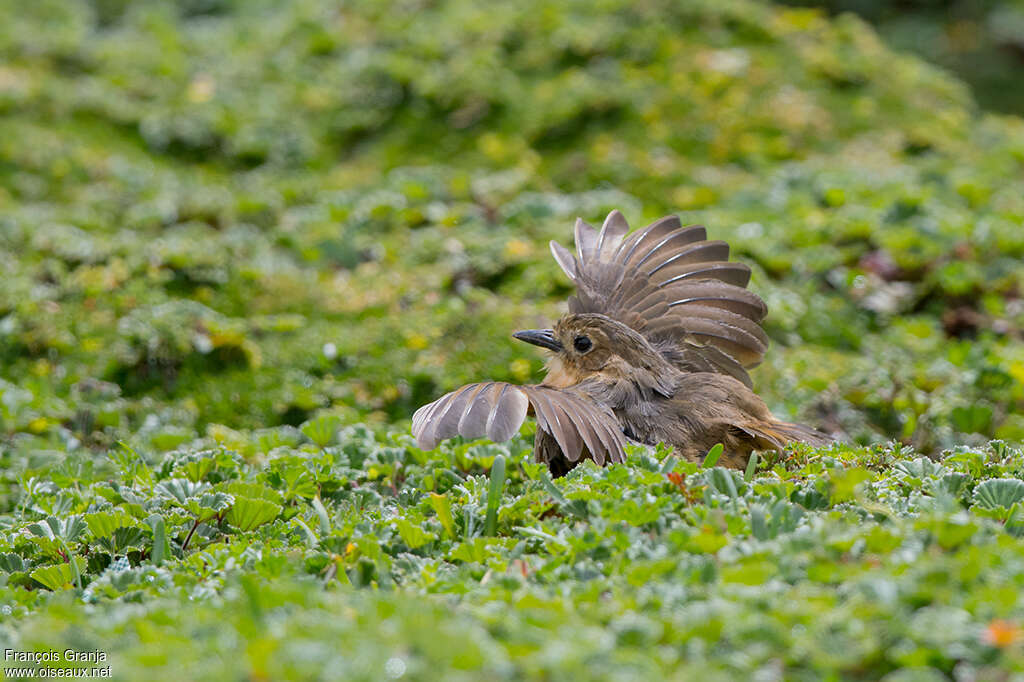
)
(219, 214)
(981, 41)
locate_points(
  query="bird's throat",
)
(560, 375)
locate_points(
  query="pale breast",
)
(559, 376)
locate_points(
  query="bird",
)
(654, 348)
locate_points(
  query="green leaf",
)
(972, 418)
(725, 481)
(476, 550)
(179, 490)
(811, 499)
(11, 563)
(59, 576)
(296, 479)
(413, 535)
(196, 470)
(160, 547)
(253, 491)
(208, 505)
(307, 532)
(748, 475)
(845, 482)
(322, 516)
(706, 540)
(954, 483)
(950, 531)
(122, 540)
(52, 528)
(132, 467)
(103, 524)
(919, 468)
(247, 513)
(999, 493)
(711, 459)
(494, 495)
(443, 508)
(322, 429)
(758, 522)
(1015, 521)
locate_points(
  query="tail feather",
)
(776, 435)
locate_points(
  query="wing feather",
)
(701, 252)
(577, 422)
(473, 422)
(564, 259)
(586, 240)
(613, 230)
(508, 413)
(593, 424)
(566, 435)
(674, 286)
(670, 246)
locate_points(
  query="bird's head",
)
(589, 344)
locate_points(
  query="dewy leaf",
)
(10, 563)
(999, 493)
(248, 513)
(103, 524)
(954, 483)
(921, 467)
(52, 528)
(209, 505)
(196, 469)
(122, 540)
(181, 489)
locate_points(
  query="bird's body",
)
(654, 349)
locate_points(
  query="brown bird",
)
(654, 349)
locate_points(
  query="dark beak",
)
(545, 338)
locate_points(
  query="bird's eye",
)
(582, 344)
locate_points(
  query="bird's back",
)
(706, 409)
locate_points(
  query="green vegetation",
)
(243, 240)
(981, 41)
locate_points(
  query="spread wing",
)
(674, 286)
(496, 409)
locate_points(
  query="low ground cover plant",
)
(242, 241)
